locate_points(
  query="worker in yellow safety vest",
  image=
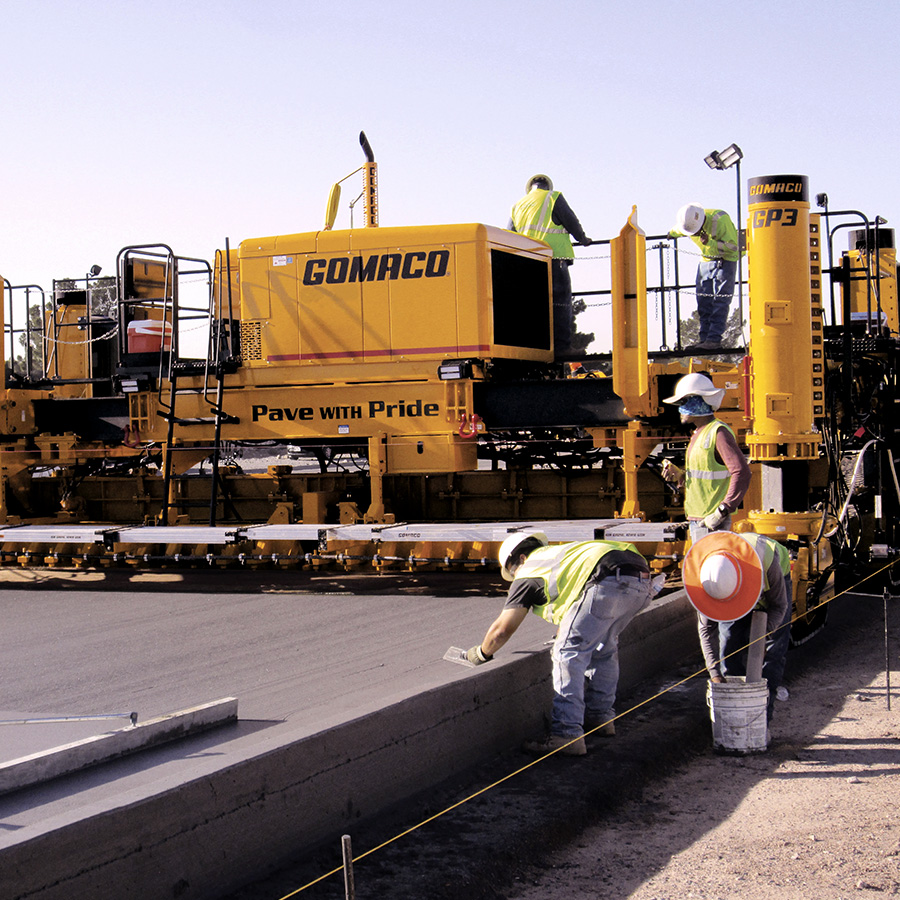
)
(545, 215)
(715, 478)
(590, 590)
(716, 474)
(725, 644)
(715, 234)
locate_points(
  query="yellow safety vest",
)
(767, 548)
(722, 243)
(706, 480)
(565, 569)
(533, 217)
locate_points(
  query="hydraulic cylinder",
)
(782, 319)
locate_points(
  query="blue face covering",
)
(695, 406)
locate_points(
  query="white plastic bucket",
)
(738, 713)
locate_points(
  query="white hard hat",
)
(720, 575)
(538, 177)
(509, 547)
(697, 385)
(689, 219)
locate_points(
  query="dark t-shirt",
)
(526, 593)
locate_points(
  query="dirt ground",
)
(817, 816)
(655, 813)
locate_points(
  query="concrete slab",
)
(347, 709)
(22, 734)
(95, 749)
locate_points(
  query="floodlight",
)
(730, 155)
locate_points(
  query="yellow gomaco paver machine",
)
(405, 381)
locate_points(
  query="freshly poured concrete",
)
(345, 707)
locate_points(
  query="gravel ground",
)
(655, 813)
(815, 817)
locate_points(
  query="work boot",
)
(600, 725)
(571, 745)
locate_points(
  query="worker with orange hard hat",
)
(727, 576)
(715, 478)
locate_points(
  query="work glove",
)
(477, 657)
(585, 241)
(716, 518)
(671, 472)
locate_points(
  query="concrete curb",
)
(68, 758)
(268, 802)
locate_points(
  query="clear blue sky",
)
(186, 121)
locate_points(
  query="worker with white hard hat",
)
(715, 478)
(545, 215)
(590, 590)
(716, 236)
(716, 474)
(728, 576)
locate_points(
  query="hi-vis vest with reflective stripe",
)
(722, 243)
(533, 217)
(706, 480)
(767, 548)
(564, 569)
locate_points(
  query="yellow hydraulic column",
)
(378, 467)
(785, 346)
(631, 377)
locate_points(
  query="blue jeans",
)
(586, 651)
(715, 288)
(736, 635)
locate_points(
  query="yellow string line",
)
(524, 768)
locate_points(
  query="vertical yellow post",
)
(378, 466)
(631, 377)
(781, 319)
(632, 457)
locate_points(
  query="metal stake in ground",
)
(887, 656)
(349, 888)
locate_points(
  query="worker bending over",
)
(724, 644)
(590, 590)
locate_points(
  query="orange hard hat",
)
(723, 576)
